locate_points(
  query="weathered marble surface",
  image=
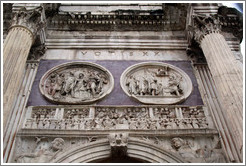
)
(164, 149)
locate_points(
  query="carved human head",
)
(57, 144)
(81, 75)
(177, 142)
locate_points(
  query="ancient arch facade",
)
(122, 82)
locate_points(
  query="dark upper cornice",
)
(158, 17)
(231, 20)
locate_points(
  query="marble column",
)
(227, 75)
(17, 44)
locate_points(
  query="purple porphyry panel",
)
(117, 96)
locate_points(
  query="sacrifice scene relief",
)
(156, 83)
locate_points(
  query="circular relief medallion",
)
(76, 83)
(156, 83)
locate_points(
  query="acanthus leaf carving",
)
(30, 19)
(204, 25)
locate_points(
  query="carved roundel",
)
(76, 83)
(156, 83)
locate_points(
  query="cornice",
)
(170, 17)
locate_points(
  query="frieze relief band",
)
(115, 118)
(156, 83)
(76, 83)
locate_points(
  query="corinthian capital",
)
(29, 19)
(204, 25)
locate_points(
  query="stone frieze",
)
(115, 118)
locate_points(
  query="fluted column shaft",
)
(21, 36)
(228, 78)
(15, 51)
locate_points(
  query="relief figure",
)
(43, 152)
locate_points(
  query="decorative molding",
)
(156, 83)
(76, 83)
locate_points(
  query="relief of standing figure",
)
(132, 85)
(69, 84)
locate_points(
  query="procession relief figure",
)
(154, 88)
(143, 85)
(160, 82)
